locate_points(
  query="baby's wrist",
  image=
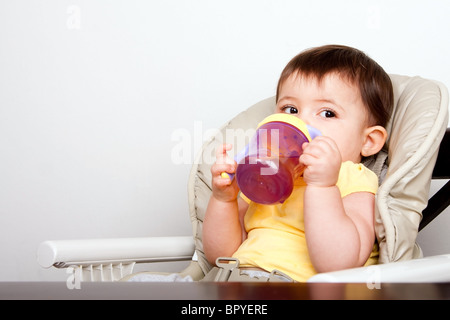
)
(224, 199)
(321, 185)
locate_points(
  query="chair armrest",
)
(429, 269)
(63, 253)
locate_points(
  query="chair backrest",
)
(415, 131)
(418, 123)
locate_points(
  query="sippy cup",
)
(269, 164)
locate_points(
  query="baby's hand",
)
(224, 189)
(323, 160)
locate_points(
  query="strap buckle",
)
(226, 266)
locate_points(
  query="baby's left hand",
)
(322, 160)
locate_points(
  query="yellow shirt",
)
(276, 233)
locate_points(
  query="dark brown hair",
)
(374, 84)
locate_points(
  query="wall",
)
(92, 94)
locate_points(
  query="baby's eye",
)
(290, 109)
(327, 114)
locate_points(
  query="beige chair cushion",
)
(415, 130)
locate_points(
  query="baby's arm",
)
(223, 227)
(339, 232)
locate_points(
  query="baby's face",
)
(334, 106)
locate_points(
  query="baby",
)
(327, 223)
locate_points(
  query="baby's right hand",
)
(223, 188)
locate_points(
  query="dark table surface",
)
(222, 291)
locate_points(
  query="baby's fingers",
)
(218, 168)
(220, 174)
(221, 153)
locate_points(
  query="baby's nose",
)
(304, 118)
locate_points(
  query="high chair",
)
(405, 168)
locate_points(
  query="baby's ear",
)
(375, 137)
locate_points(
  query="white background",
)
(91, 93)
